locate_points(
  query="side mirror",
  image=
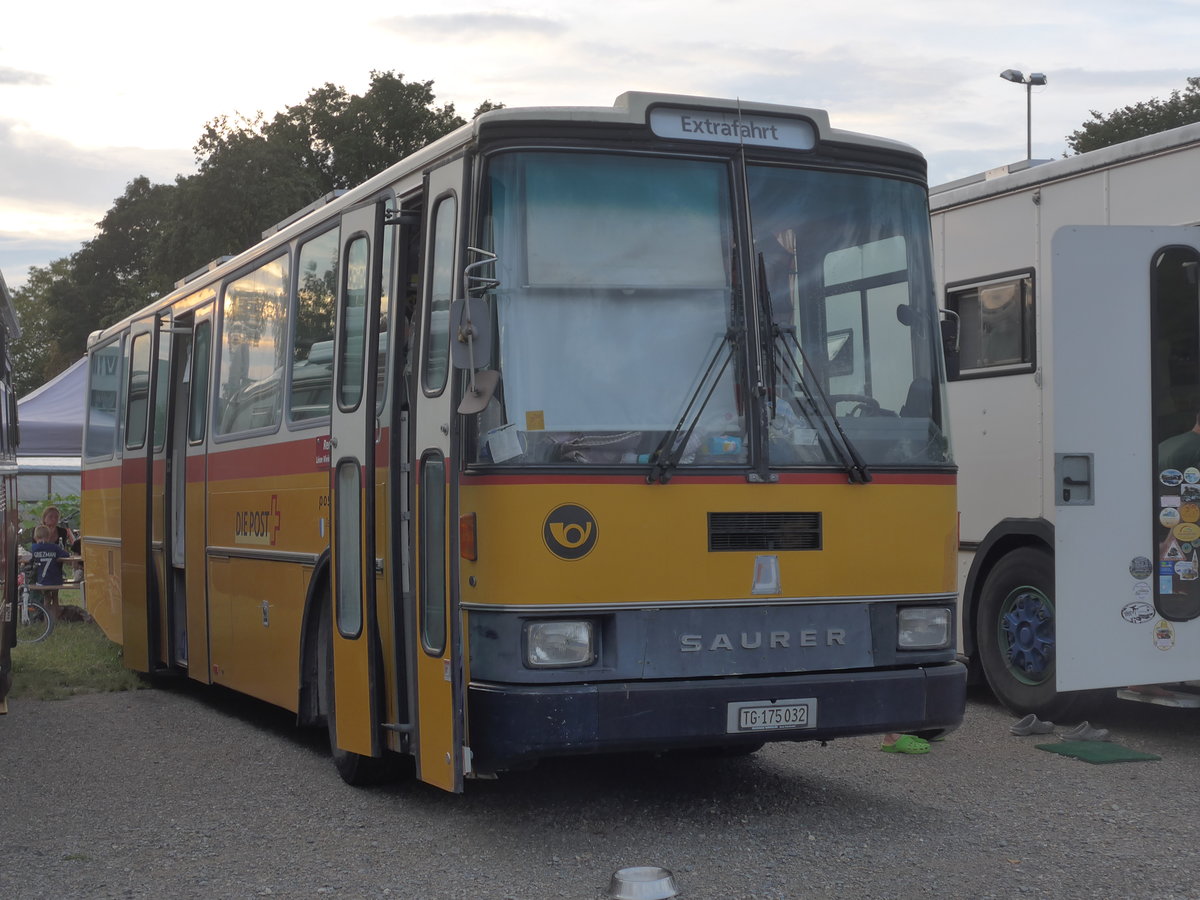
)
(949, 327)
(471, 349)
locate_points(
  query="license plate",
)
(782, 715)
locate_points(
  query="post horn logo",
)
(570, 532)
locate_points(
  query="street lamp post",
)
(1029, 81)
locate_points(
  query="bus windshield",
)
(620, 325)
(843, 263)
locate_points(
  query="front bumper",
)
(513, 725)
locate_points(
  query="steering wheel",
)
(863, 405)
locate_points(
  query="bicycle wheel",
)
(33, 623)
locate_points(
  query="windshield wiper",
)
(852, 461)
(824, 412)
(670, 449)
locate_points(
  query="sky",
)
(92, 95)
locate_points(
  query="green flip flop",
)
(906, 743)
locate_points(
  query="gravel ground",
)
(189, 792)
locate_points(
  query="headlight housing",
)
(923, 627)
(553, 644)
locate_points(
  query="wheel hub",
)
(1027, 634)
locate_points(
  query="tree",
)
(1148, 117)
(32, 354)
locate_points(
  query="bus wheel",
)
(1015, 635)
(354, 768)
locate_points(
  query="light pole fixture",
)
(1029, 81)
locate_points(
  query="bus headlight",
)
(549, 644)
(923, 628)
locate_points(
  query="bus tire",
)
(1016, 635)
(354, 768)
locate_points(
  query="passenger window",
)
(312, 355)
(253, 344)
(995, 322)
(441, 286)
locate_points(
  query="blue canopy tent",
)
(51, 420)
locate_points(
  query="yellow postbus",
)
(580, 430)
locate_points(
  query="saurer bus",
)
(580, 430)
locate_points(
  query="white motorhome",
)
(1075, 292)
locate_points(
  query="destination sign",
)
(733, 128)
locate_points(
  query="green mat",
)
(1097, 752)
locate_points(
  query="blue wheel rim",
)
(1026, 635)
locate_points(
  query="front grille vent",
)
(764, 531)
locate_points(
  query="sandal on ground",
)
(906, 743)
(1031, 724)
(1085, 732)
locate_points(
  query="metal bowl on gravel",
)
(642, 883)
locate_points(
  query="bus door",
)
(172, 351)
(1126, 479)
(437, 648)
(140, 619)
(354, 631)
(189, 477)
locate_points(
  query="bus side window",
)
(441, 285)
(253, 343)
(104, 373)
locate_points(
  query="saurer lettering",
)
(760, 640)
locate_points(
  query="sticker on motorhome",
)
(1141, 567)
(1164, 635)
(1137, 612)
(1171, 477)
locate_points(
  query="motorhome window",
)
(995, 325)
(441, 286)
(104, 378)
(312, 344)
(253, 347)
(138, 392)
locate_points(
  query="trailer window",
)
(995, 315)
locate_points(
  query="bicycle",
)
(34, 622)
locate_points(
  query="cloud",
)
(17, 76)
(473, 26)
(37, 169)
(53, 192)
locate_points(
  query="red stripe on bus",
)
(290, 458)
(784, 478)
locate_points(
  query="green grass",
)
(75, 659)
